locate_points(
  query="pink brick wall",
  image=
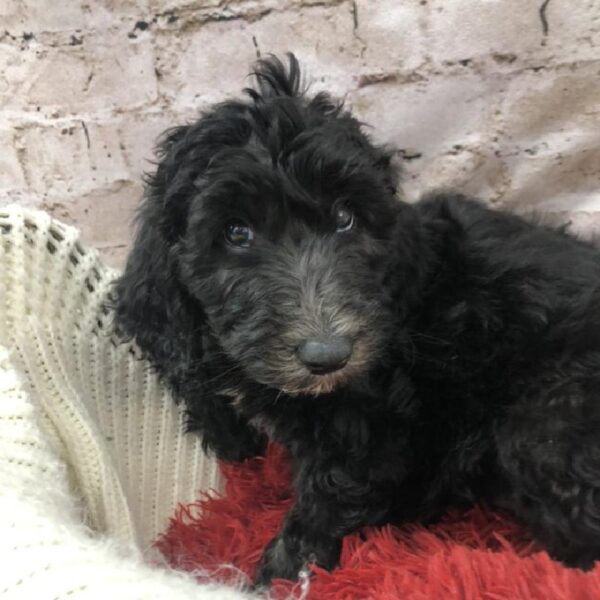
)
(478, 93)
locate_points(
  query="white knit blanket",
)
(93, 458)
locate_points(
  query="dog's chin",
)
(311, 384)
(316, 385)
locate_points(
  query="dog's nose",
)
(325, 355)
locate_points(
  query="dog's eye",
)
(344, 219)
(239, 234)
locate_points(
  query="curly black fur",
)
(475, 369)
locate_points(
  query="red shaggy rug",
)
(470, 555)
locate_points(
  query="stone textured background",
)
(500, 98)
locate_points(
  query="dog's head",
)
(271, 227)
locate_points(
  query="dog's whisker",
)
(219, 376)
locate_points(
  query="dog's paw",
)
(575, 557)
(288, 558)
(245, 444)
(278, 562)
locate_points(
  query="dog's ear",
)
(152, 306)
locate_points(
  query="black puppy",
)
(410, 357)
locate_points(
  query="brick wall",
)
(500, 98)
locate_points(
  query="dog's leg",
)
(549, 450)
(224, 431)
(331, 503)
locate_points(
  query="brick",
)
(444, 125)
(163, 6)
(472, 171)
(13, 71)
(392, 33)
(539, 104)
(511, 32)
(465, 30)
(565, 177)
(138, 134)
(59, 162)
(423, 115)
(22, 198)
(573, 31)
(35, 16)
(217, 9)
(11, 171)
(108, 71)
(105, 218)
(191, 76)
(197, 68)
